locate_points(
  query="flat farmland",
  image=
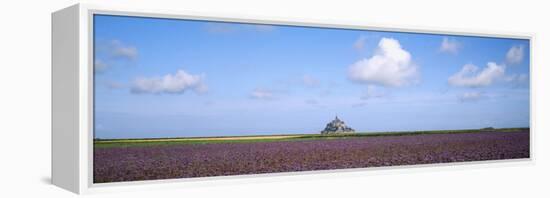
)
(149, 159)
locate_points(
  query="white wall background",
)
(25, 99)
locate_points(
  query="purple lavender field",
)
(165, 161)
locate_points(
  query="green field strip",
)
(110, 143)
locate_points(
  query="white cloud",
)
(176, 83)
(262, 94)
(114, 85)
(514, 55)
(310, 81)
(470, 96)
(100, 66)
(359, 44)
(391, 65)
(120, 50)
(449, 45)
(517, 78)
(469, 76)
(111, 53)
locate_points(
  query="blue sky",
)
(182, 78)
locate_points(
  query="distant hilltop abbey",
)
(337, 126)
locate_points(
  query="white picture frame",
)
(72, 95)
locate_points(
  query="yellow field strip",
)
(204, 138)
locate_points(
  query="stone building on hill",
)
(337, 126)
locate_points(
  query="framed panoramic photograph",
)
(156, 96)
